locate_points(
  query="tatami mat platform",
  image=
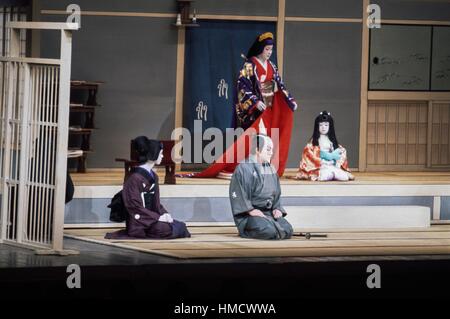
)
(223, 242)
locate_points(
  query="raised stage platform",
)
(378, 214)
(205, 201)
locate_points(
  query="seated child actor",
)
(255, 195)
(323, 158)
(147, 218)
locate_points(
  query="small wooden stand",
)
(82, 110)
(184, 10)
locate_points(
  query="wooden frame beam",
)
(408, 95)
(179, 86)
(415, 22)
(114, 14)
(280, 34)
(43, 25)
(307, 19)
(246, 17)
(364, 90)
(31, 60)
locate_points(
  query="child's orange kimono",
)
(311, 164)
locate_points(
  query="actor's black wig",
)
(260, 42)
(147, 150)
(324, 116)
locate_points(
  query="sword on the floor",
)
(310, 235)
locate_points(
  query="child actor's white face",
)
(324, 128)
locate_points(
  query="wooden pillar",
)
(280, 34)
(62, 139)
(179, 82)
(364, 89)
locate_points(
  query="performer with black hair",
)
(324, 159)
(255, 195)
(258, 82)
(147, 217)
(262, 101)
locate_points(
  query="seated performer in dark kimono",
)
(147, 218)
(255, 195)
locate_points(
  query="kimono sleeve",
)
(241, 191)
(310, 163)
(289, 99)
(162, 209)
(342, 162)
(277, 199)
(247, 98)
(133, 202)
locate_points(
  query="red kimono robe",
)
(279, 115)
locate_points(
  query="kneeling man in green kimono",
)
(255, 195)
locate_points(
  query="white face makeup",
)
(266, 153)
(267, 53)
(324, 128)
(160, 157)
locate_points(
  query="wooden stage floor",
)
(114, 177)
(223, 242)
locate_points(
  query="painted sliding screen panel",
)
(414, 9)
(400, 58)
(440, 69)
(213, 61)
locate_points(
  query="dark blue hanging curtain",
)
(212, 64)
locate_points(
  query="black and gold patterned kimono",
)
(257, 186)
(253, 81)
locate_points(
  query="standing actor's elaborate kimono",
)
(142, 201)
(257, 83)
(315, 168)
(256, 186)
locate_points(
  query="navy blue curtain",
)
(213, 61)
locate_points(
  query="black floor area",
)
(113, 273)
